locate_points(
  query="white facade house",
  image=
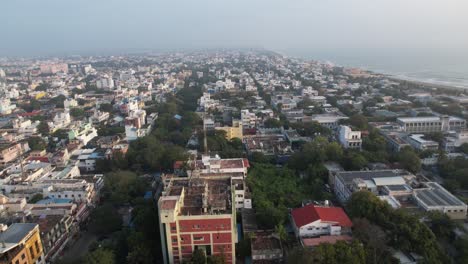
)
(349, 138)
(248, 119)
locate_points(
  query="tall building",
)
(197, 214)
(21, 243)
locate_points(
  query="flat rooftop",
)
(348, 176)
(201, 196)
(436, 195)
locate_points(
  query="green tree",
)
(464, 148)
(100, 256)
(198, 257)
(105, 220)
(272, 123)
(410, 160)
(36, 143)
(77, 113)
(358, 121)
(43, 128)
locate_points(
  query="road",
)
(79, 248)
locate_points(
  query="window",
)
(17, 262)
(31, 251)
(23, 256)
(37, 247)
(198, 238)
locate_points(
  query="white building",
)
(105, 83)
(248, 119)
(83, 132)
(60, 120)
(349, 138)
(6, 107)
(435, 198)
(25, 126)
(70, 103)
(328, 120)
(418, 142)
(430, 124)
(454, 140)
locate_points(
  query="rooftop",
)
(16, 232)
(436, 195)
(201, 196)
(311, 213)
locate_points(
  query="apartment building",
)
(197, 214)
(21, 243)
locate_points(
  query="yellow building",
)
(21, 243)
(234, 131)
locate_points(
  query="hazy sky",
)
(45, 27)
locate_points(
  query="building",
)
(61, 120)
(314, 221)
(328, 120)
(196, 214)
(430, 124)
(6, 107)
(138, 125)
(345, 183)
(105, 83)
(21, 243)
(54, 68)
(349, 138)
(454, 140)
(55, 233)
(435, 198)
(70, 103)
(418, 142)
(10, 151)
(265, 247)
(248, 119)
(83, 132)
(234, 131)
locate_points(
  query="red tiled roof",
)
(41, 158)
(311, 213)
(33, 113)
(246, 163)
(313, 242)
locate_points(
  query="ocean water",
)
(448, 69)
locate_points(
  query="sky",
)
(64, 27)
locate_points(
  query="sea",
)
(445, 69)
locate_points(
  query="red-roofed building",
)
(312, 221)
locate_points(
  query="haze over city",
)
(222, 132)
(56, 27)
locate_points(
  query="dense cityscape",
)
(228, 156)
